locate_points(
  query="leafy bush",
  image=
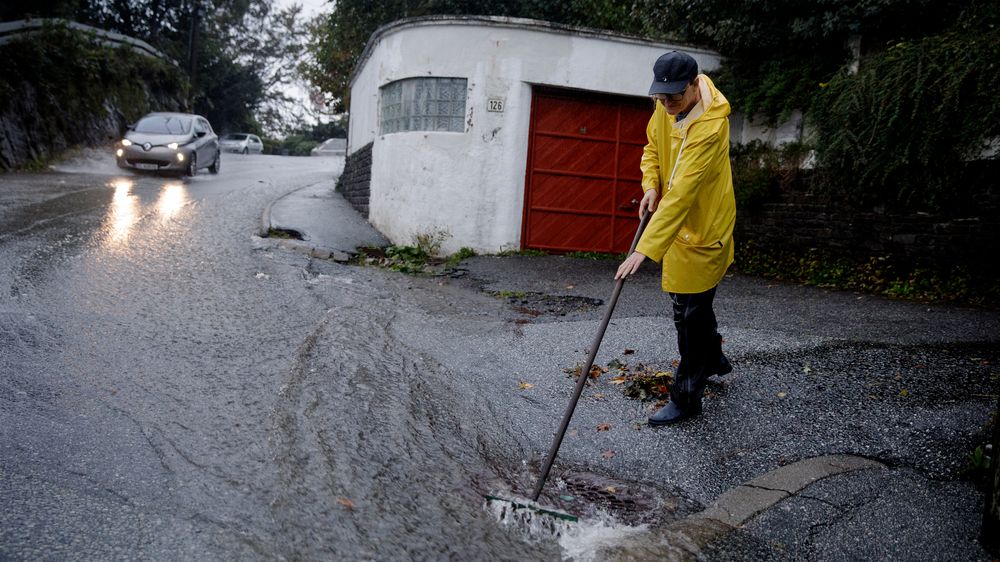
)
(905, 127)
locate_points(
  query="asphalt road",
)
(173, 386)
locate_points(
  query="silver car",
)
(170, 142)
(243, 143)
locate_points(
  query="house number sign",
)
(494, 104)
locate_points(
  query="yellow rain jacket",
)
(687, 163)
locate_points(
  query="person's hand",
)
(630, 265)
(649, 200)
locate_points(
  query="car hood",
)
(157, 139)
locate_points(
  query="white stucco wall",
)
(470, 185)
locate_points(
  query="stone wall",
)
(962, 234)
(355, 181)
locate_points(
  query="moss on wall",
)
(61, 89)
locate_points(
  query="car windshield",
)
(164, 125)
(234, 137)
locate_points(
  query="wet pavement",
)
(908, 388)
(175, 386)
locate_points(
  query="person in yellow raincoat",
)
(688, 186)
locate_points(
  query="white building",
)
(502, 133)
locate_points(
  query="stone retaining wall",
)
(355, 182)
(964, 234)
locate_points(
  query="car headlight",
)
(126, 142)
(172, 146)
(180, 156)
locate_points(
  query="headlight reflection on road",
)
(124, 211)
(173, 196)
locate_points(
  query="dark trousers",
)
(700, 346)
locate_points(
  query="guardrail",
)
(12, 30)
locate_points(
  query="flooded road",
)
(174, 387)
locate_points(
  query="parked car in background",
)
(175, 142)
(244, 143)
(330, 147)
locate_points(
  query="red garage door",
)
(583, 180)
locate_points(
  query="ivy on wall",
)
(908, 128)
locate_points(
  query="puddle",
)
(541, 304)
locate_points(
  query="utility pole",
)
(192, 51)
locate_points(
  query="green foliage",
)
(420, 259)
(430, 242)
(73, 97)
(885, 275)
(977, 468)
(596, 256)
(526, 252)
(292, 145)
(903, 128)
(760, 170)
(245, 52)
(340, 37)
(405, 259)
(461, 254)
(778, 52)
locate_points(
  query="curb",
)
(685, 539)
(297, 245)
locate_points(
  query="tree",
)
(339, 38)
(778, 52)
(246, 52)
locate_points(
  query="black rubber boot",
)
(724, 367)
(672, 413)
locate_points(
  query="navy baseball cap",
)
(672, 73)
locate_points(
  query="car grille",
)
(154, 161)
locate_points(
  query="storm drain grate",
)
(632, 503)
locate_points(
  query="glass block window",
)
(423, 104)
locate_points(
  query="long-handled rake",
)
(571, 407)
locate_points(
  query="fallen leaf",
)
(618, 380)
(610, 489)
(675, 363)
(782, 394)
(525, 385)
(807, 369)
(598, 396)
(604, 427)
(608, 455)
(628, 352)
(904, 393)
(346, 503)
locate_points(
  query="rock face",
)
(49, 104)
(31, 131)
